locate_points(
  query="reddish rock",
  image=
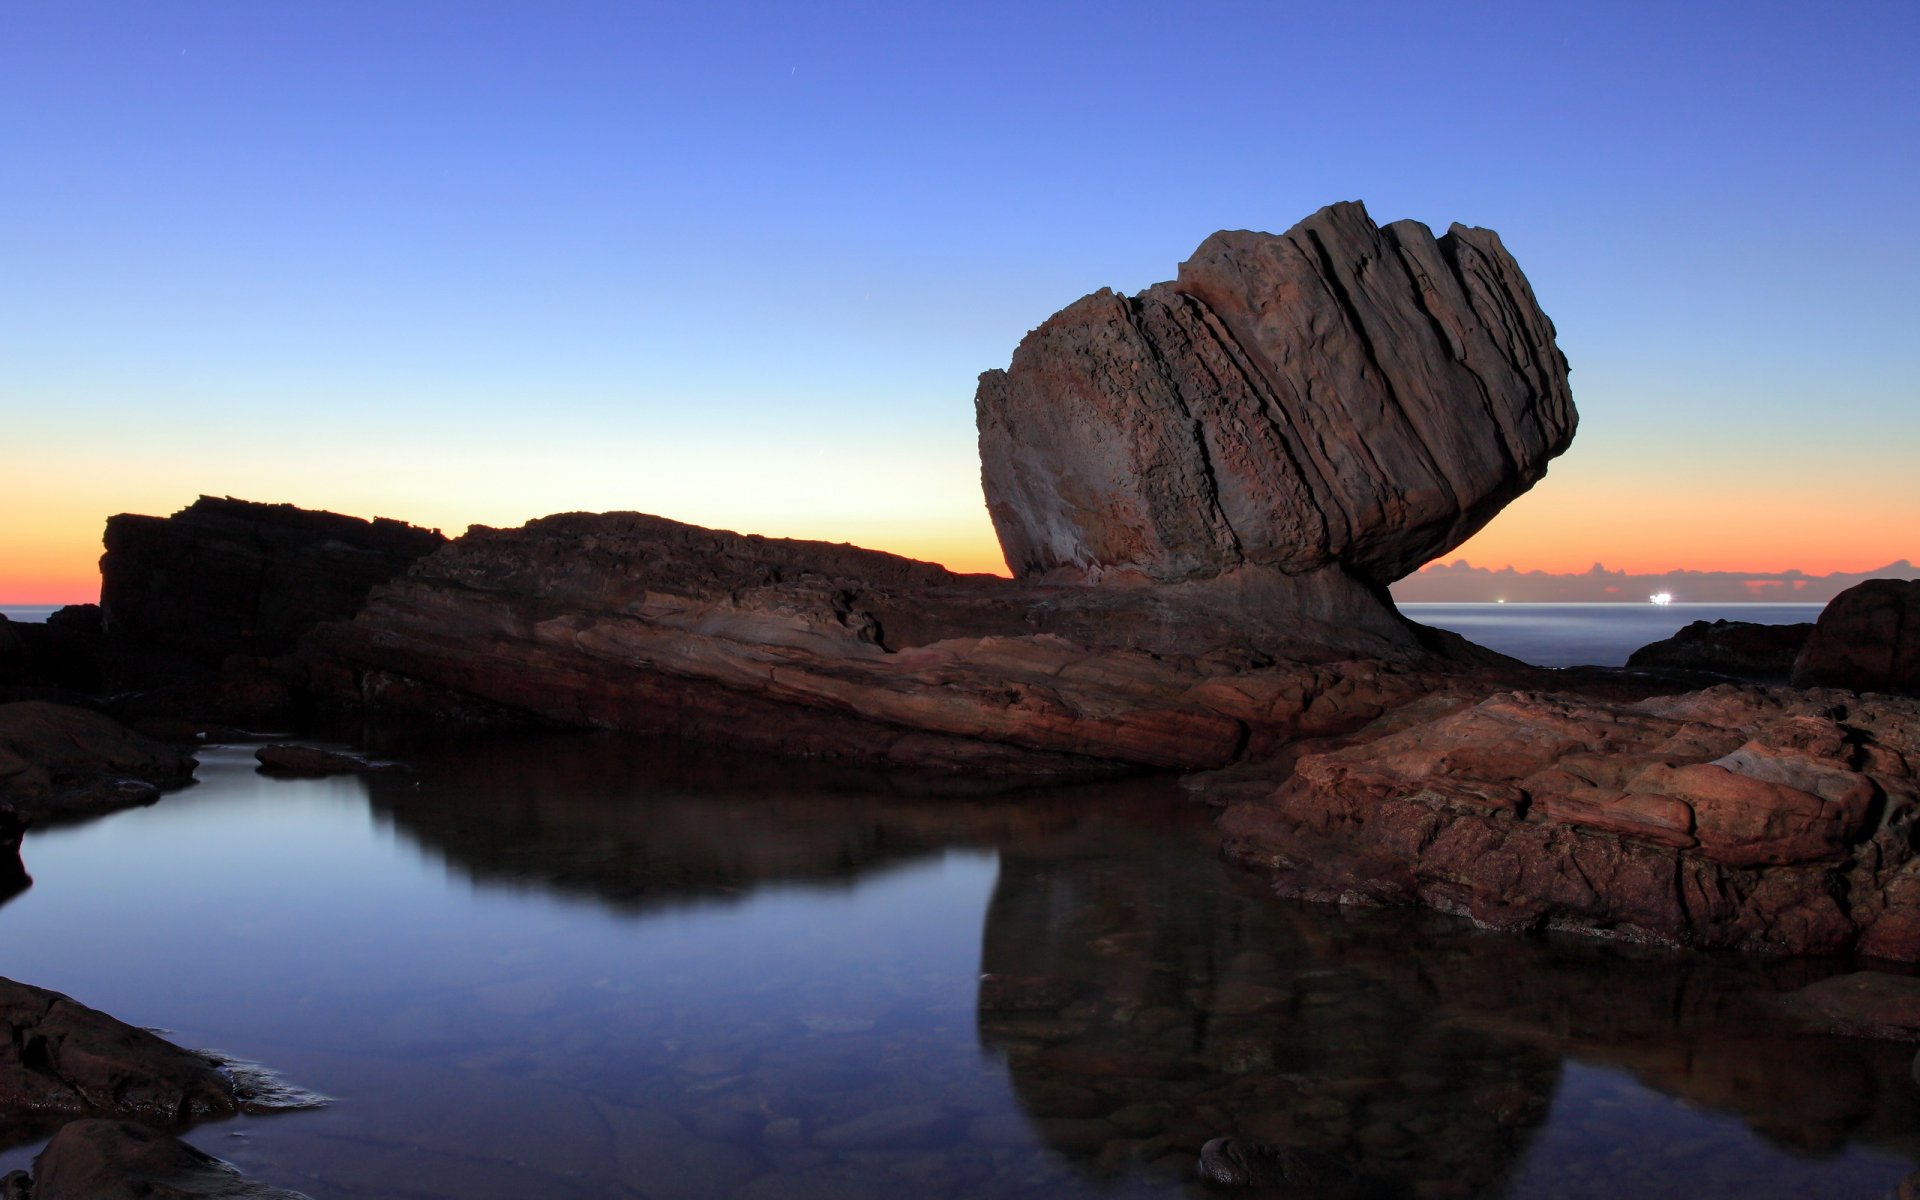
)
(633, 622)
(118, 1160)
(59, 761)
(1732, 817)
(1741, 649)
(228, 576)
(1341, 397)
(1867, 639)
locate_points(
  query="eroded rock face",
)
(1734, 817)
(227, 576)
(1340, 396)
(632, 622)
(1867, 639)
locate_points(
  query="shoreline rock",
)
(1738, 649)
(1737, 817)
(61, 762)
(1867, 639)
(60, 1060)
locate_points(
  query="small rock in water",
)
(283, 759)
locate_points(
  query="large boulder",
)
(226, 576)
(1867, 639)
(1338, 397)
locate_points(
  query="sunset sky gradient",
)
(740, 264)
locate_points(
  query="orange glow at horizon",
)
(1648, 520)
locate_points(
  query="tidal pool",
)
(580, 966)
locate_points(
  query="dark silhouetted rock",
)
(59, 761)
(1867, 639)
(54, 654)
(60, 1059)
(1741, 649)
(1338, 397)
(1732, 817)
(228, 576)
(118, 1160)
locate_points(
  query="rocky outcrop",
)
(118, 1160)
(1341, 397)
(1740, 649)
(60, 1059)
(226, 576)
(1243, 458)
(1867, 639)
(632, 622)
(1734, 817)
(58, 653)
(59, 761)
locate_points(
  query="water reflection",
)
(578, 966)
(1146, 1004)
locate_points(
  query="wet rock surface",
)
(1745, 818)
(118, 1160)
(1867, 639)
(61, 762)
(60, 1059)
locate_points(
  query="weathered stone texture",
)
(1340, 395)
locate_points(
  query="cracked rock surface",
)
(1342, 395)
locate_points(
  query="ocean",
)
(1598, 635)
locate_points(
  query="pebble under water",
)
(577, 966)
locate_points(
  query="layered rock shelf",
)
(1736, 817)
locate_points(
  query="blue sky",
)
(739, 264)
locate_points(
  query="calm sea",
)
(575, 966)
(28, 612)
(1600, 635)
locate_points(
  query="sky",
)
(739, 265)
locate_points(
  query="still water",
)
(1597, 635)
(574, 966)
